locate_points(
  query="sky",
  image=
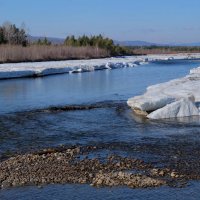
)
(160, 21)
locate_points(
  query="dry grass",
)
(46, 53)
(142, 51)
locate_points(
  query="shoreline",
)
(39, 69)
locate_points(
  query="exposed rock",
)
(72, 165)
(127, 179)
(140, 112)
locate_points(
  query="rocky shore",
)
(75, 165)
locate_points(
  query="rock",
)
(99, 182)
(140, 112)
(173, 174)
(161, 173)
(55, 166)
(5, 184)
(154, 171)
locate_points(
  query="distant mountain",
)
(195, 44)
(135, 43)
(147, 44)
(51, 39)
(121, 43)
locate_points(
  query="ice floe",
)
(172, 99)
(180, 108)
(16, 70)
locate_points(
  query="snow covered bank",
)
(33, 69)
(176, 98)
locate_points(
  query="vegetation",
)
(164, 49)
(45, 41)
(97, 41)
(15, 47)
(10, 34)
(11, 53)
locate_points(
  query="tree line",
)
(12, 35)
(98, 41)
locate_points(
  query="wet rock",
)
(70, 166)
(161, 173)
(173, 174)
(126, 179)
(5, 184)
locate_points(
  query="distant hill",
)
(147, 44)
(135, 43)
(121, 43)
(196, 44)
(51, 39)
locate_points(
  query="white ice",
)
(180, 108)
(16, 70)
(171, 99)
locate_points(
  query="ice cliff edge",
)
(172, 99)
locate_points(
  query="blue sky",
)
(162, 21)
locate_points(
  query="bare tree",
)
(14, 35)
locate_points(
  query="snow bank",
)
(149, 102)
(175, 98)
(17, 70)
(181, 108)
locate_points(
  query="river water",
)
(35, 114)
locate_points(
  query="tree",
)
(45, 41)
(13, 35)
(71, 41)
(96, 41)
(2, 38)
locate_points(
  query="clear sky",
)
(162, 21)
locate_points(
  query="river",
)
(34, 114)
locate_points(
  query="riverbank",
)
(35, 69)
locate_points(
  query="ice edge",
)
(172, 99)
(34, 69)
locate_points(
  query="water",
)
(27, 123)
(24, 94)
(75, 192)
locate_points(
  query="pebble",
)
(66, 166)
